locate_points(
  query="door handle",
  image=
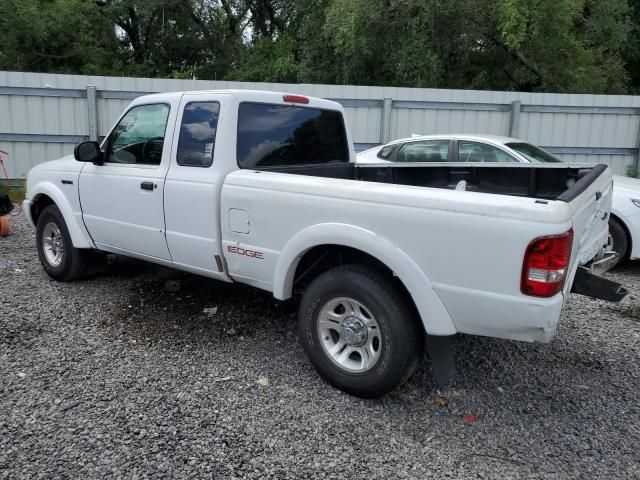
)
(147, 186)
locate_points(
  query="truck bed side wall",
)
(466, 249)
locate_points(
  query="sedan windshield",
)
(533, 153)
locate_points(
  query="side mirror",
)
(88, 152)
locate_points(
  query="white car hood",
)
(64, 164)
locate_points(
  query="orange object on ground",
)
(5, 226)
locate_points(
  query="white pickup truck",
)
(261, 188)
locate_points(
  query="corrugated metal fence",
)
(42, 116)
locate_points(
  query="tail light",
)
(546, 262)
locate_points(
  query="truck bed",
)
(547, 182)
(469, 245)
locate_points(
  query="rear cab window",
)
(272, 135)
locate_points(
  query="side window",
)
(139, 137)
(198, 134)
(386, 151)
(424, 151)
(482, 152)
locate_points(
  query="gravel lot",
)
(122, 376)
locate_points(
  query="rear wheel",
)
(620, 240)
(57, 254)
(359, 330)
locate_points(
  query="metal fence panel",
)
(25, 155)
(43, 115)
(620, 164)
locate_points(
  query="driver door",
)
(122, 200)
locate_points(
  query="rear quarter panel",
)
(469, 246)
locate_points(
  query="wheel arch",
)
(434, 316)
(627, 232)
(46, 194)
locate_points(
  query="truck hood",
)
(65, 164)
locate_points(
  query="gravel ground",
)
(123, 375)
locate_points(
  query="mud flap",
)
(586, 283)
(443, 363)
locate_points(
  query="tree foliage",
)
(528, 45)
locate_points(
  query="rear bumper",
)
(529, 319)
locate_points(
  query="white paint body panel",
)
(117, 212)
(46, 179)
(624, 191)
(458, 253)
(192, 197)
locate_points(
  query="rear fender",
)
(433, 313)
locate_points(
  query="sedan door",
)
(423, 151)
(122, 200)
(474, 151)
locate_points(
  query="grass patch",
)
(15, 192)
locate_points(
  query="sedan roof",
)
(460, 136)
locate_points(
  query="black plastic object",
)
(516, 179)
(586, 283)
(442, 355)
(6, 206)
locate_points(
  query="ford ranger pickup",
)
(262, 188)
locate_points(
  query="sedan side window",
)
(385, 152)
(139, 137)
(482, 152)
(198, 134)
(424, 151)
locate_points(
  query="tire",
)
(363, 303)
(57, 255)
(620, 240)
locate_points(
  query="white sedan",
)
(624, 224)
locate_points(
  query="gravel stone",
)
(123, 375)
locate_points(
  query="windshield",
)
(533, 153)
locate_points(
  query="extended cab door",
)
(200, 160)
(122, 200)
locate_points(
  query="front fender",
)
(79, 235)
(630, 219)
(433, 313)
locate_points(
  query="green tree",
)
(66, 36)
(632, 50)
(529, 45)
(267, 60)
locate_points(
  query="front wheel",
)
(620, 240)
(57, 254)
(359, 331)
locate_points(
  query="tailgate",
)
(590, 203)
